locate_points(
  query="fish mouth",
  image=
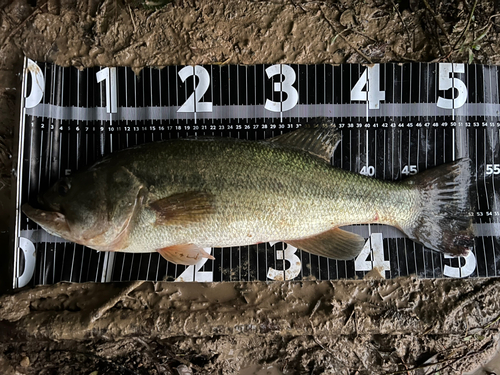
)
(53, 222)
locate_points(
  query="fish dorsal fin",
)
(334, 243)
(183, 208)
(317, 139)
(187, 254)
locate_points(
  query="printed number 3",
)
(289, 273)
(282, 86)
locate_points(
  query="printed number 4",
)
(371, 80)
(374, 248)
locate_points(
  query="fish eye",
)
(63, 189)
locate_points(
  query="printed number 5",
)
(463, 271)
(446, 82)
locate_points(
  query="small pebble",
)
(25, 362)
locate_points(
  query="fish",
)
(177, 197)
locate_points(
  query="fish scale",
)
(266, 192)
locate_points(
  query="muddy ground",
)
(373, 326)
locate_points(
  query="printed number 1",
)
(109, 75)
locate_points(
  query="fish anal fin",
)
(183, 208)
(319, 139)
(187, 254)
(335, 243)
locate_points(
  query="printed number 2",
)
(373, 248)
(282, 86)
(193, 104)
(193, 273)
(446, 82)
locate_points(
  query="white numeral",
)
(193, 104)
(193, 273)
(27, 249)
(463, 271)
(374, 248)
(289, 273)
(409, 169)
(371, 80)
(283, 86)
(446, 81)
(37, 85)
(492, 169)
(368, 170)
(109, 75)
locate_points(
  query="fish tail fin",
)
(442, 222)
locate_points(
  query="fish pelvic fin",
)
(183, 208)
(443, 223)
(186, 254)
(335, 243)
(319, 139)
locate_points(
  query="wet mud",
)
(370, 326)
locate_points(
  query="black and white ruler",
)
(395, 119)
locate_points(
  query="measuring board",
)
(395, 120)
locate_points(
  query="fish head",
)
(96, 208)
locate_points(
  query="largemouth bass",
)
(179, 196)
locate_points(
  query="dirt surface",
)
(344, 327)
(348, 327)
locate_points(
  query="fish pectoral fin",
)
(183, 208)
(335, 243)
(187, 254)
